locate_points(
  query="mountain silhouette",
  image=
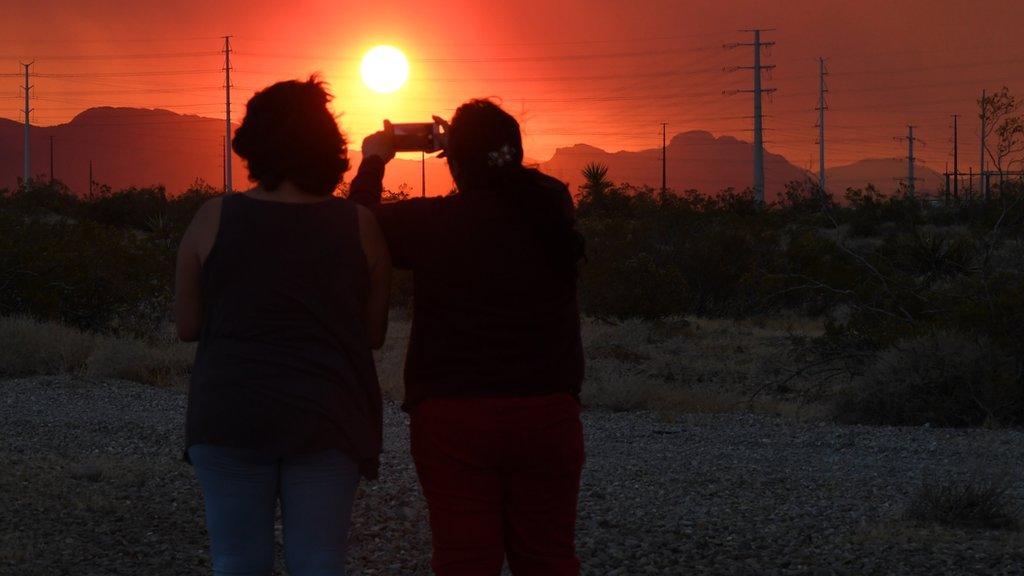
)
(695, 160)
(145, 147)
(126, 146)
(884, 174)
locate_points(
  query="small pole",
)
(970, 185)
(981, 170)
(423, 174)
(664, 180)
(956, 162)
(910, 159)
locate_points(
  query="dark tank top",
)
(284, 364)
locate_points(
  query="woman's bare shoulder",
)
(202, 232)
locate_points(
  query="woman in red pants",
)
(495, 362)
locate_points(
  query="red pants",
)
(501, 477)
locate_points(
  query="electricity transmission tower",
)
(910, 140)
(227, 111)
(758, 91)
(822, 106)
(28, 143)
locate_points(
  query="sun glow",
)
(384, 69)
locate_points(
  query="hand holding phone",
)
(419, 136)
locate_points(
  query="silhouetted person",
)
(285, 287)
(495, 361)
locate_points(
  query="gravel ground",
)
(91, 483)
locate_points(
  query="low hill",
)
(696, 160)
(143, 147)
(884, 174)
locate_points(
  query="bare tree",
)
(1004, 129)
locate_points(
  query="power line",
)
(115, 56)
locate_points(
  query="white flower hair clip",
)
(501, 156)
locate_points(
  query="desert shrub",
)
(130, 208)
(652, 256)
(52, 197)
(806, 198)
(140, 361)
(30, 348)
(868, 210)
(81, 273)
(989, 505)
(105, 262)
(942, 378)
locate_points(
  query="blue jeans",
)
(241, 489)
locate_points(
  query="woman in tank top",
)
(285, 288)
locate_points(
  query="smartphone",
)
(418, 137)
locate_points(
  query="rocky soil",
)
(91, 483)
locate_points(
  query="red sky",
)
(601, 72)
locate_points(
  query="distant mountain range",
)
(142, 147)
(698, 160)
(886, 175)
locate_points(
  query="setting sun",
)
(384, 69)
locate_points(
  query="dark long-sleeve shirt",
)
(491, 315)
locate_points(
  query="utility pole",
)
(981, 169)
(910, 158)
(227, 111)
(956, 161)
(27, 175)
(822, 106)
(758, 93)
(664, 149)
(51, 158)
(423, 174)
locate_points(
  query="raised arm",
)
(409, 226)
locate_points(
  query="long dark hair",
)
(485, 154)
(289, 134)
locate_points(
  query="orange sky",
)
(601, 72)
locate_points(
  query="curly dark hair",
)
(289, 134)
